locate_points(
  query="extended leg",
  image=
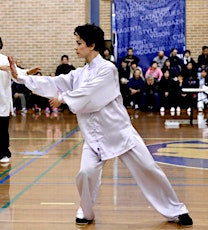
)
(88, 181)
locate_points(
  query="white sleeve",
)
(94, 95)
(46, 86)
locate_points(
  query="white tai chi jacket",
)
(6, 102)
(93, 94)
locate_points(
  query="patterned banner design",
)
(148, 27)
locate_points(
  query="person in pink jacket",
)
(154, 71)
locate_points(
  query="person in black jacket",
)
(64, 67)
(175, 61)
(150, 96)
(124, 75)
(203, 58)
(166, 87)
(130, 57)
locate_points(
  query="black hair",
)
(204, 47)
(130, 48)
(153, 62)
(91, 34)
(204, 70)
(1, 43)
(64, 56)
(187, 51)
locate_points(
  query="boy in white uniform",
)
(93, 94)
(6, 106)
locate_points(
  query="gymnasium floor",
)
(37, 190)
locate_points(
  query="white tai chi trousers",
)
(148, 175)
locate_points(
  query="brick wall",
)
(39, 32)
(196, 26)
(105, 17)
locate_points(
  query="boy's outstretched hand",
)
(14, 70)
(12, 67)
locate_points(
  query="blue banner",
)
(149, 26)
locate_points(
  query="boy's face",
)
(82, 50)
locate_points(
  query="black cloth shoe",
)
(83, 221)
(185, 220)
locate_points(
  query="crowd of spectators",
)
(159, 88)
(24, 99)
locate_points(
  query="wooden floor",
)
(37, 190)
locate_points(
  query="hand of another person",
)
(16, 95)
(124, 81)
(54, 102)
(33, 70)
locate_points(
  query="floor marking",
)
(45, 138)
(182, 166)
(54, 203)
(29, 157)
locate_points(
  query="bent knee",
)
(86, 172)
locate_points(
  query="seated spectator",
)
(181, 99)
(133, 67)
(19, 63)
(130, 57)
(39, 103)
(160, 59)
(202, 96)
(150, 96)
(64, 67)
(189, 72)
(124, 75)
(187, 58)
(48, 109)
(175, 61)
(108, 56)
(154, 71)
(166, 88)
(135, 86)
(192, 81)
(22, 95)
(203, 58)
(173, 71)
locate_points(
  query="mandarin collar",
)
(94, 62)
